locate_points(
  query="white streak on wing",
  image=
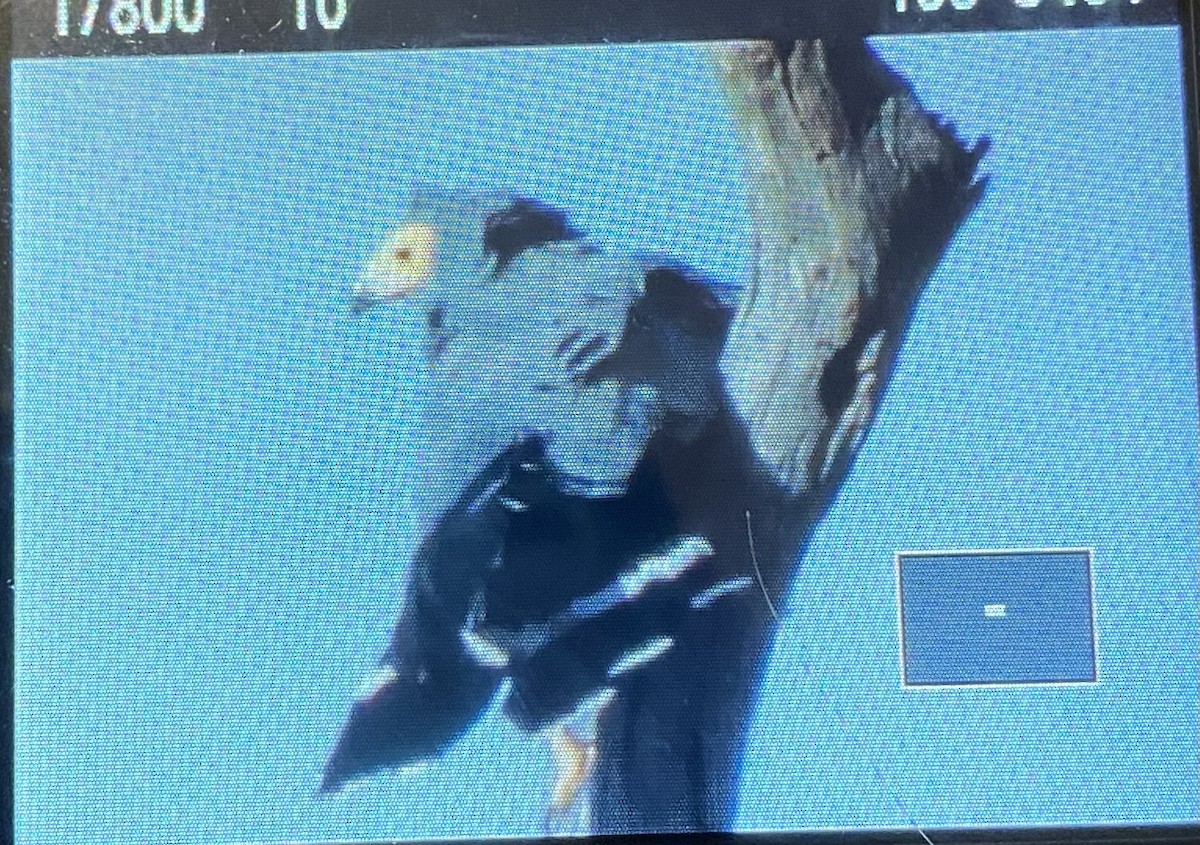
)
(478, 502)
(514, 505)
(667, 567)
(374, 682)
(594, 605)
(641, 655)
(626, 587)
(649, 570)
(482, 651)
(705, 598)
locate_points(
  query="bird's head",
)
(434, 251)
(451, 244)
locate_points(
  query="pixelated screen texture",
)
(211, 460)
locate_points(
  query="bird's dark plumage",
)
(428, 688)
(673, 337)
(523, 576)
(523, 224)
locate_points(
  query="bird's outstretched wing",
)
(428, 688)
(550, 552)
(521, 580)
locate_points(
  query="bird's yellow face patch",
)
(574, 760)
(403, 264)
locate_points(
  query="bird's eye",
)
(404, 254)
(436, 317)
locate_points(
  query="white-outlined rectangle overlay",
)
(996, 617)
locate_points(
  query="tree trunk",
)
(854, 193)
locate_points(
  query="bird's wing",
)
(518, 309)
(511, 357)
(518, 306)
(428, 687)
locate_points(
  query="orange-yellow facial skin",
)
(574, 759)
(404, 263)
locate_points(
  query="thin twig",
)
(757, 571)
(900, 805)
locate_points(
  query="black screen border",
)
(250, 33)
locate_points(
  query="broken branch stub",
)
(847, 226)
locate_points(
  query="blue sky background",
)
(210, 467)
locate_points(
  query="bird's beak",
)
(377, 288)
(362, 299)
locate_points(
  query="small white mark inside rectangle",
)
(995, 611)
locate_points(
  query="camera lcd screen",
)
(397, 365)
